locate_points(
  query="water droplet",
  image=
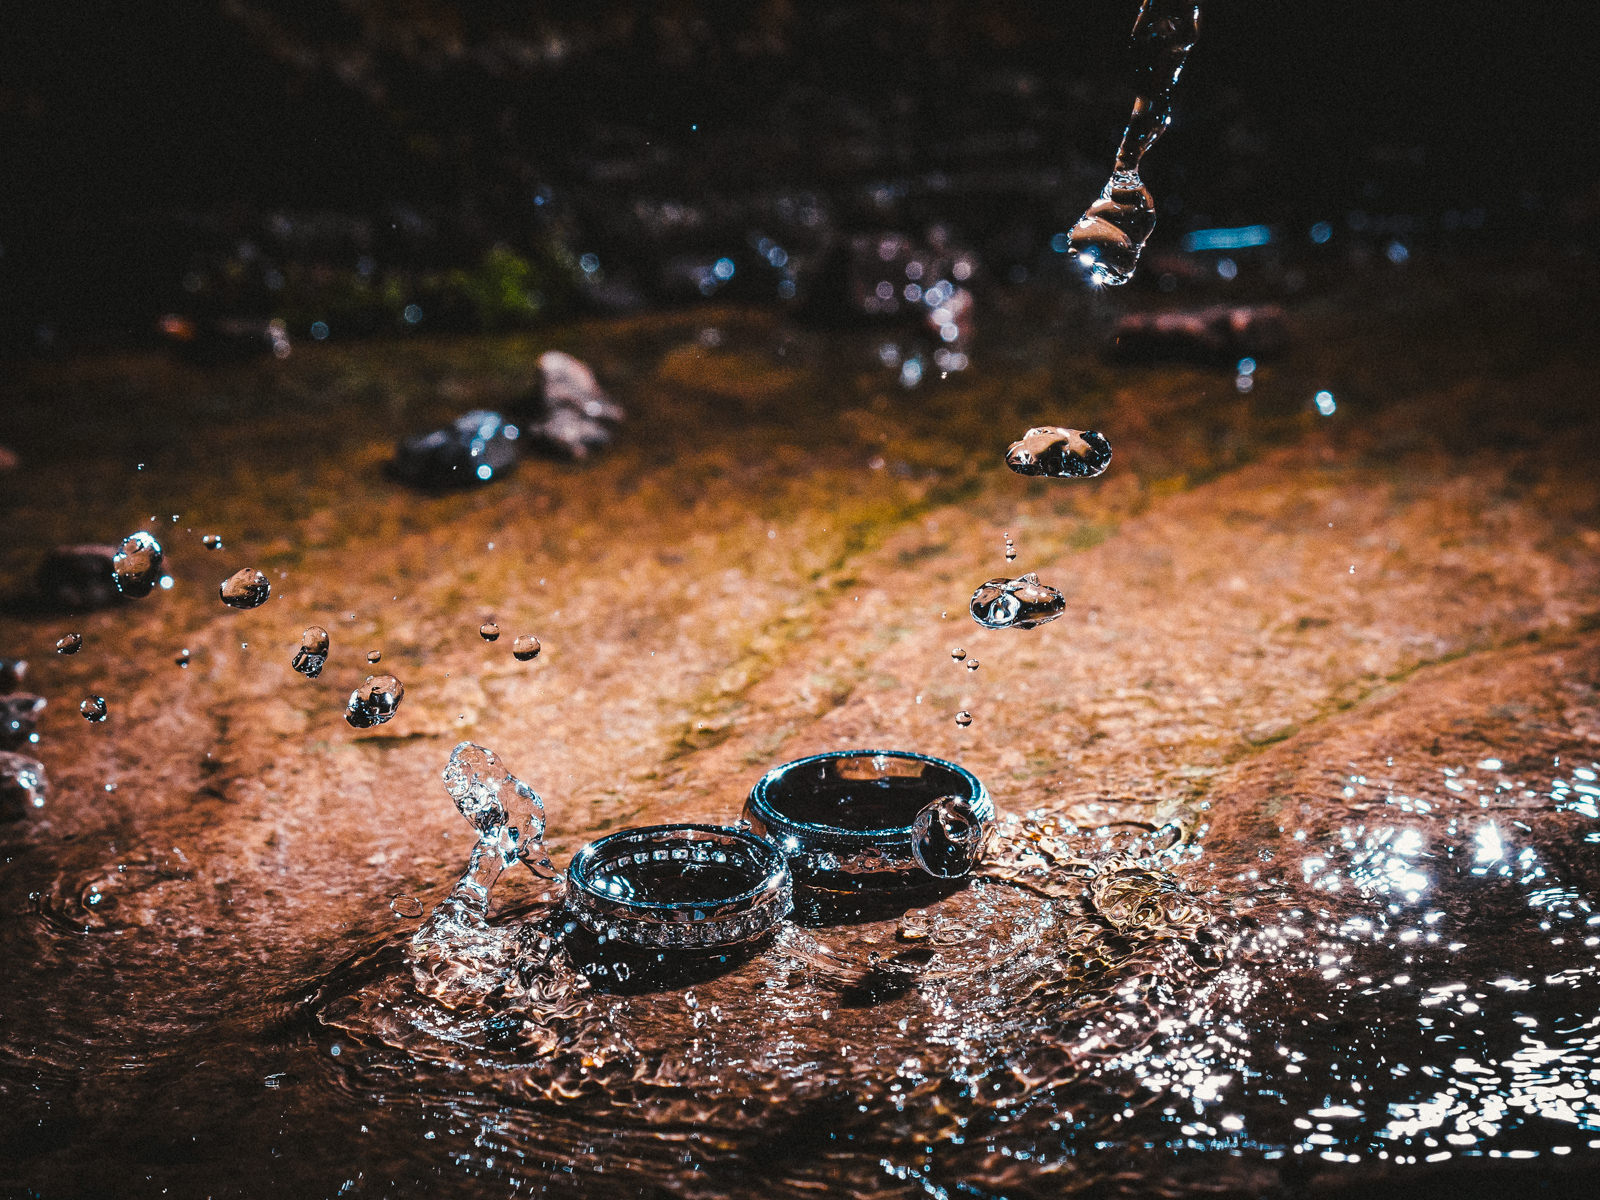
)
(94, 709)
(972, 664)
(947, 837)
(374, 656)
(69, 644)
(958, 653)
(182, 657)
(245, 588)
(136, 567)
(963, 718)
(405, 906)
(374, 702)
(489, 631)
(1019, 603)
(1060, 453)
(313, 652)
(525, 647)
(212, 541)
(690, 1000)
(1108, 237)
(507, 813)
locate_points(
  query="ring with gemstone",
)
(696, 887)
(851, 820)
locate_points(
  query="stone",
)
(476, 448)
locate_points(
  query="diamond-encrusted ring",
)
(679, 886)
(865, 819)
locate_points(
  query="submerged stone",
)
(476, 448)
(1019, 603)
(375, 702)
(245, 588)
(568, 414)
(24, 785)
(78, 578)
(19, 719)
(1060, 453)
(1219, 334)
(136, 566)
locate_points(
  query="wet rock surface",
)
(1306, 782)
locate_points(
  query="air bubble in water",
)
(1019, 603)
(212, 541)
(507, 813)
(69, 644)
(94, 709)
(375, 702)
(245, 588)
(958, 653)
(313, 653)
(1108, 237)
(525, 647)
(963, 718)
(136, 567)
(489, 631)
(947, 837)
(1060, 453)
(374, 656)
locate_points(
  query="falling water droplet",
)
(405, 906)
(958, 653)
(972, 664)
(136, 567)
(182, 657)
(245, 588)
(375, 702)
(489, 631)
(94, 709)
(374, 656)
(212, 541)
(1060, 453)
(1019, 603)
(525, 647)
(1108, 237)
(69, 644)
(947, 837)
(23, 785)
(963, 718)
(507, 813)
(313, 652)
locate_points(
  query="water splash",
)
(136, 566)
(312, 655)
(24, 785)
(507, 813)
(375, 702)
(1109, 237)
(245, 588)
(1019, 603)
(1060, 453)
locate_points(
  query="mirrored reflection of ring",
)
(867, 819)
(679, 887)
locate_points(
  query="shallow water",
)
(1298, 797)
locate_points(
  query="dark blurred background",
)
(360, 167)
